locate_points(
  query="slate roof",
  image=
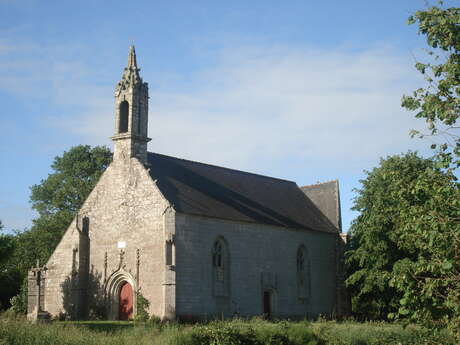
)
(326, 197)
(212, 191)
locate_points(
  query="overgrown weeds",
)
(233, 332)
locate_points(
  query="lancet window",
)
(221, 268)
(303, 273)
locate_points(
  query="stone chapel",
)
(194, 240)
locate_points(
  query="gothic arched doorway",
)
(120, 286)
(125, 304)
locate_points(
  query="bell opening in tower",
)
(124, 116)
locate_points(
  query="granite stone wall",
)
(261, 258)
(125, 241)
(127, 231)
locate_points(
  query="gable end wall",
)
(125, 206)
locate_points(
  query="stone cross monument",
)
(36, 279)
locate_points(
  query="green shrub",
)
(142, 305)
(254, 332)
(222, 333)
(19, 302)
(301, 333)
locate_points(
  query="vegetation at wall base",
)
(142, 307)
(232, 332)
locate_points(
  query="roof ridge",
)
(224, 168)
(319, 183)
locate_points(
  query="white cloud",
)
(259, 106)
(301, 113)
(254, 109)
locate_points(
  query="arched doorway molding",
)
(112, 289)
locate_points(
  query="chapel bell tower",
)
(131, 114)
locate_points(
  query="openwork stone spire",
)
(131, 113)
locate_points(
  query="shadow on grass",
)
(102, 326)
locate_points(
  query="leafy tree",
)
(62, 193)
(10, 278)
(439, 103)
(430, 281)
(431, 284)
(374, 245)
(56, 199)
(74, 176)
(404, 251)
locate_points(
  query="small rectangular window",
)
(85, 229)
(169, 253)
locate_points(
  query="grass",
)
(85, 333)
(379, 333)
(102, 326)
(234, 332)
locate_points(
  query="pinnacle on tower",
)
(131, 77)
(132, 63)
(131, 113)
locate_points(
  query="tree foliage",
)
(74, 176)
(439, 102)
(374, 245)
(404, 251)
(62, 193)
(10, 277)
(431, 284)
(56, 199)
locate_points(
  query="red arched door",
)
(125, 302)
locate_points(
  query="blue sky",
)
(303, 90)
